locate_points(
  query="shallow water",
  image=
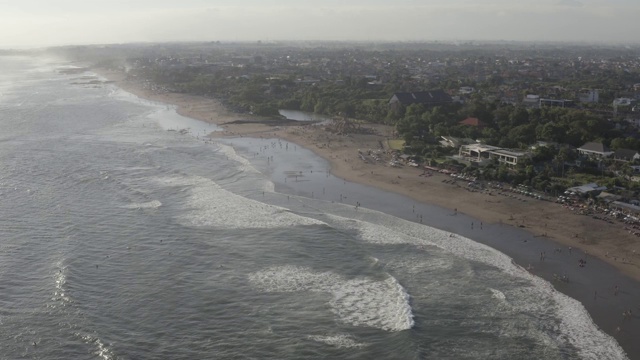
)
(123, 240)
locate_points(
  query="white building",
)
(482, 154)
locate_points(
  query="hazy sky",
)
(29, 23)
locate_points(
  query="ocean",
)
(123, 237)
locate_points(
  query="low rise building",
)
(595, 149)
(481, 154)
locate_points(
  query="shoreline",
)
(609, 242)
(545, 222)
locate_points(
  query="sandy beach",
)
(564, 234)
(611, 243)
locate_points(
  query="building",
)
(428, 98)
(622, 102)
(482, 154)
(586, 189)
(626, 155)
(471, 121)
(623, 105)
(595, 149)
(556, 103)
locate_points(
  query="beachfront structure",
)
(586, 189)
(595, 150)
(482, 154)
(428, 98)
(608, 197)
(625, 207)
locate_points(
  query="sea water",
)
(121, 238)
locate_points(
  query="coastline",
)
(548, 224)
(608, 242)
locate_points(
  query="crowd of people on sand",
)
(629, 223)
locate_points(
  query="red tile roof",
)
(471, 121)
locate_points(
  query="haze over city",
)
(34, 23)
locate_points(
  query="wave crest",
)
(382, 304)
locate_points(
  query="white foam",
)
(498, 294)
(210, 205)
(338, 341)
(382, 304)
(577, 326)
(245, 165)
(60, 278)
(397, 231)
(147, 205)
(101, 349)
(231, 154)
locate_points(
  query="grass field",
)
(396, 144)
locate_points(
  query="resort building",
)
(481, 154)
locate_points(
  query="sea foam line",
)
(154, 204)
(338, 341)
(210, 205)
(382, 304)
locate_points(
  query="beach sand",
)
(609, 242)
(508, 218)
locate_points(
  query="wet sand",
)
(302, 173)
(507, 221)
